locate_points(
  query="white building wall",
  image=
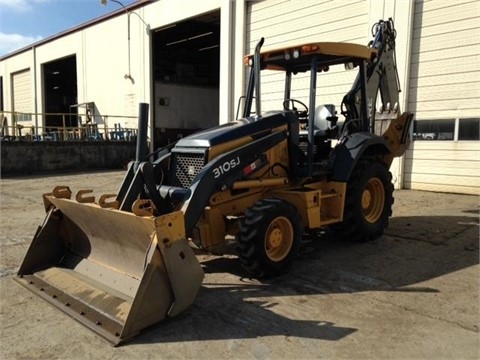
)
(102, 67)
(445, 85)
(445, 70)
(238, 47)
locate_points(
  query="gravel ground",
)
(414, 293)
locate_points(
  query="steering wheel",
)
(301, 114)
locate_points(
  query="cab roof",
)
(329, 53)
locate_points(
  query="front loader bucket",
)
(113, 271)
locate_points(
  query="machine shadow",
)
(413, 250)
(232, 313)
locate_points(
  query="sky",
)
(23, 22)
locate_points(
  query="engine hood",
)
(234, 130)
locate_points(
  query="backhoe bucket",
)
(114, 271)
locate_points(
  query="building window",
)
(434, 129)
(469, 129)
(23, 117)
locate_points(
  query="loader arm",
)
(211, 180)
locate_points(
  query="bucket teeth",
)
(62, 192)
(105, 201)
(82, 198)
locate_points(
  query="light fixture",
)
(200, 35)
(189, 38)
(104, 3)
(147, 27)
(176, 42)
(209, 47)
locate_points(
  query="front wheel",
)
(269, 237)
(368, 202)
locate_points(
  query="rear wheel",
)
(269, 237)
(368, 202)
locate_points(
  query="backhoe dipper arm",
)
(381, 76)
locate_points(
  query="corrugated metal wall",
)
(445, 69)
(445, 85)
(443, 166)
(289, 22)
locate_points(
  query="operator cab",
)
(319, 127)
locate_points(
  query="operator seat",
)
(321, 122)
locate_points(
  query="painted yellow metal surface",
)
(114, 271)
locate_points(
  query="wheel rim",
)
(279, 239)
(373, 200)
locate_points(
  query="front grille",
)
(185, 167)
(304, 147)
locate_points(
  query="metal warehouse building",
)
(185, 58)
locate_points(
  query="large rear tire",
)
(269, 237)
(368, 202)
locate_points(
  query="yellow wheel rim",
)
(279, 239)
(373, 200)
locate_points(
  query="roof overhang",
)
(298, 58)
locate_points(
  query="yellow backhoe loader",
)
(121, 262)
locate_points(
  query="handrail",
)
(93, 130)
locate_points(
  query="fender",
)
(346, 154)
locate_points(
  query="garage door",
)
(444, 93)
(284, 23)
(22, 96)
